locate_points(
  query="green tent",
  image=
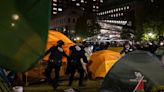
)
(3, 86)
(23, 32)
(160, 51)
(130, 67)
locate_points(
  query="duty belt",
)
(51, 60)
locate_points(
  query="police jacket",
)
(76, 55)
(56, 53)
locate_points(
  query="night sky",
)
(108, 2)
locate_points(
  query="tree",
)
(154, 18)
(127, 34)
(87, 26)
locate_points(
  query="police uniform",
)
(75, 64)
(56, 53)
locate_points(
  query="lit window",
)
(122, 8)
(101, 1)
(60, 9)
(111, 11)
(82, 1)
(54, 4)
(94, 6)
(112, 15)
(77, 4)
(116, 9)
(122, 14)
(54, 12)
(97, 7)
(119, 9)
(127, 7)
(94, 0)
(54, 0)
(104, 12)
(116, 15)
(54, 8)
(73, 0)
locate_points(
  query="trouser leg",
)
(56, 79)
(48, 71)
(81, 72)
(71, 77)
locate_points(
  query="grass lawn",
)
(91, 86)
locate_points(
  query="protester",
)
(127, 48)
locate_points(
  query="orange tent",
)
(101, 62)
(116, 49)
(53, 37)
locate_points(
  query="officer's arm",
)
(84, 58)
(64, 54)
(62, 51)
(69, 58)
(48, 51)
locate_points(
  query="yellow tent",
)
(53, 37)
(101, 62)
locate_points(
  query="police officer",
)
(75, 63)
(55, 61)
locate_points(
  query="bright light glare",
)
(15, 16)
(12, 24)
(161, 44)
(78, 38)
(150, 34)
(98, 37)
(103, 31)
